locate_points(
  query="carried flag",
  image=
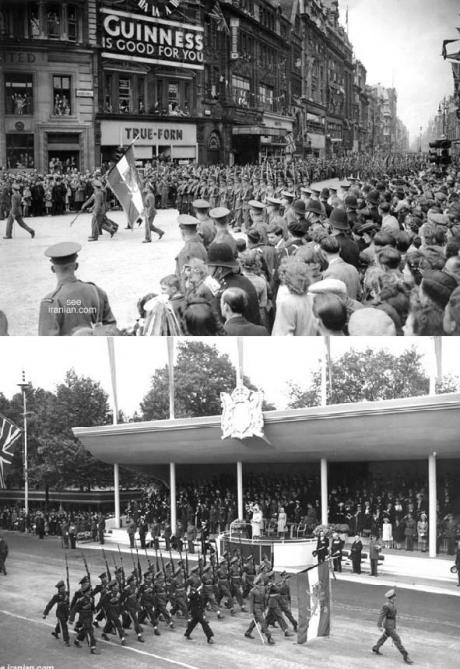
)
(124, 180)
(9, 433)
(314, 603)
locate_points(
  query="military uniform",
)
(73, 304)
(149, 213)
(223, 586)
(387, 620)
(236, 582)
(161, 597)
(257, 604)
(197, 616)
(61, 601)
(209, 595)
(112, 602)
(85, 609)
(193, 247)
(285, 600)
(132, 607)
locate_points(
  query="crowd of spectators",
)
(378, 255)
(396, 512)
(71, 526)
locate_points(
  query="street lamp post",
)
(23, 385)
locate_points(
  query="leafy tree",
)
(369, 376)
(201, 373)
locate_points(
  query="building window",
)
(19, 150)
(53, 21)
(34, 21)
(124, 94)
(61, 95)
(240, 91)
(72, 23)
(18, 94)
(266, 97)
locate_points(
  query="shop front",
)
(170, 141)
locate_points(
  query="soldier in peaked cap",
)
(74, 304)
(61, 600)
(193, 245)
(256, 219)
(16, 214)
(220, 216)
(206, 228)
(387, 623)
(150, 213)
(97, 201)
(287, 198)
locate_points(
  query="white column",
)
(324, 495)
(172, 490)
(432, 498)
(239, 487)
(116, 493)
(26, 457)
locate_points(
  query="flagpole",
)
(116, 469)
(23, 385)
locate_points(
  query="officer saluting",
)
(74, 304)
(387, 622)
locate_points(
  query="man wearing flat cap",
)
(74, 304)
(387, 623)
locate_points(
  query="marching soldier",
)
(196, 608)
(249, 574)
(100, 590)
(274, 610)
(235, 582)
(147, 601)
(149, 215)
(209, 595)
(161, 598)
(61, 600)
(387, 623)
(223, 586)
(257, 606)
(285, 599)
(180, 596)
(131, 604)
(16, 214)
(85, 609)
(112, 603)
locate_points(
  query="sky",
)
(271, 363)
(400, 41)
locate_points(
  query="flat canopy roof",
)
(403, 429)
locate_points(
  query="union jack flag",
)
(9, 433)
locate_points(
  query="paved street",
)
(124, 267)
(428, 625)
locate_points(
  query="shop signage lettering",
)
(115, 133)
(135, 37)
(152, 133)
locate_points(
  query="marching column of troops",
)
(164, 591)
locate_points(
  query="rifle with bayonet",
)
(67, 577)
(122, 568)
(106, 565)
(139, 571)
(87, 569)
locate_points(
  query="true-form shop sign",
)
(146, 39)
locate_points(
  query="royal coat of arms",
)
(242, 413)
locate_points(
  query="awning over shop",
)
(258, 130)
